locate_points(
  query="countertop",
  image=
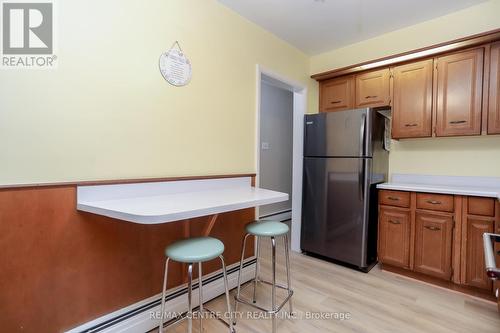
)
(162, 202)
(470, 186)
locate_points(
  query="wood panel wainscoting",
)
(61, 268)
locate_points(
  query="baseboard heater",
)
(140, 317)
(281, 216)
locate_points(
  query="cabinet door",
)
(394, 236)
(497, 250)
(433, 239)
(473, 250)
(412, 100)
(459, 93)
(336, 94)
(373, 89)
(494, 93)
(497, 283)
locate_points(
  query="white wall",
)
(276, 130)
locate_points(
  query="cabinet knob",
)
(432, 228)
(393, 198)
(394, 222)
(371, 96)
(411, 125)
(335, 102)
(454, 122)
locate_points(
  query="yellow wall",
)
(479, 156)
(107, 113)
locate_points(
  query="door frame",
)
(299, 110)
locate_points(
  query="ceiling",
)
(316, 26)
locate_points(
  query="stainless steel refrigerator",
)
(344, 159)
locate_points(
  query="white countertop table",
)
(470, 186)
(163, 202)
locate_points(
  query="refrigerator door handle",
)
(361, 179)
(362, 135)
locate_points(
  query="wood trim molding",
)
(426, 52)
(457, 238)
(126, 181)
(486, 89)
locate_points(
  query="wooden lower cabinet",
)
(497, 293)
(438, 238)
(433, 241)
(394, 236)
(474, 271)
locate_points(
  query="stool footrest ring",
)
(184, 316)
(278, 309)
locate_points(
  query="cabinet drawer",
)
(394, 198)
(439, 202)
(481, 206)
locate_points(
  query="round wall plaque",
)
(175, 67)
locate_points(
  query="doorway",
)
(276, 148)
(281, 105)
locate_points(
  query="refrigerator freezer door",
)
(334, 222)
(339, 134)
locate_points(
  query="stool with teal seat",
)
(191, 251)
(272, 229)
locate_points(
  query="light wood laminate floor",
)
(376, 302)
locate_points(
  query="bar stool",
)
(190, 251)
(270, 229)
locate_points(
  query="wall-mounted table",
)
(163, 202)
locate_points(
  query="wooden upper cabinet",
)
(494, 93)
(394, 236)
(336, 94)
(433, 244)
(474, 271)
(373, 88)
(412, 100)
(459, 93)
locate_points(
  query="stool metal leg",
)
(256, 269)
(287, 258)
(275, 308)
(239, 276)
(163, 295)
(200, 293)
(228, 303)
(273, 243)
(190, 305)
